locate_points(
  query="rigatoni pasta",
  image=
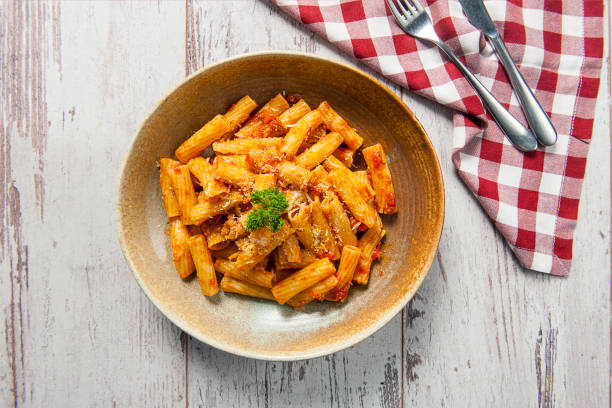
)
(202, 170)
(196, 144)
(319, 151)
(378, 170)
(183, 190)
(367, 244)
(336, 123)
(302, 280)
(165, 180)
(204, 265)
(263, 121)
(317, 291)
(243, 288)
(299, 133)
(181, 254)
(277, 210)
(239, 112)
(346, 270)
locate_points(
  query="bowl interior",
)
(258, 328)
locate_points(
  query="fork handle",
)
(518, 134)
(537, 118)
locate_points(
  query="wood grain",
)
(76, 79)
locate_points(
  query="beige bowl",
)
(258, 328)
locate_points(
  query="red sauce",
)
(376, 254)
(272, 127)
(338, 294)
(268, 117)
(390, 206)
(353, 221)
(322, 253)
(377, 159)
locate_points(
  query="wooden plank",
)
(24, 54)
(366, 375)
(79, 79)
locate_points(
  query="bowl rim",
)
(343, 344)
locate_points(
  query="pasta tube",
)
(196, 144)
(232, 174)
(319, 151)
(292, 174)
(165, 181)
(364, 181)
(346, 269)
(256, 276)
(202, 170)
(298, 133)
(244, 146)
(289, 251)
(272, 109)
(345, 156)
(381, 179)
(243, 288)
(302, 279)
(234, 227)
(340, 181)
(180, 248)
(317, 291)
(306, 258)
(226, 252)
(265, 181)
(338, 219)
(336, 123)
(332, 163)
(290, 117)
(260, 244)
(204, 265)
(325, 242)
(263, 161)
(215, 206)
(301, 221)
(367, 244)
(239, 160)
(183, 189)
(214, 235)
(239, 112)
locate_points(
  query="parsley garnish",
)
(268, 206)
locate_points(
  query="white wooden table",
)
(76, 80)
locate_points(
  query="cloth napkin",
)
(532, 198)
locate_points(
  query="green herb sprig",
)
(268, 205)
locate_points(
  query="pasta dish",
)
(276, 209)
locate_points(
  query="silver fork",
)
(415, 21)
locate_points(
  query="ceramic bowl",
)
(258, 328)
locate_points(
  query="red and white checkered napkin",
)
(532, 198)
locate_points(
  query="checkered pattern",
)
(532, 198)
